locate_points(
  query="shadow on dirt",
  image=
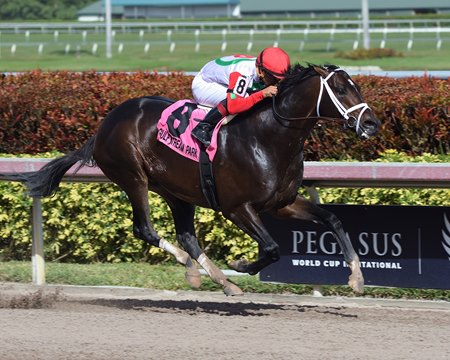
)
(211, 307)
(48, 298)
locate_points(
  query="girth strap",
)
(207, 182)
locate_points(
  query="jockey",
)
(233, 84)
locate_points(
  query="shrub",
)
(42, 111)
(92, 222)
(374, 53)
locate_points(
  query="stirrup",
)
(202, 136)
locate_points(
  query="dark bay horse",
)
(258, 167)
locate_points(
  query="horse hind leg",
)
(183, 215)
(192, 275)
(216, 275)
(190, 243)
(135, 186)
(143, 229)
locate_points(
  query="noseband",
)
(349, 121)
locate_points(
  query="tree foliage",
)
(41, 9)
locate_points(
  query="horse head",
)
(325, 93)
(340, 97)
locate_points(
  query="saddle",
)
(174, 130)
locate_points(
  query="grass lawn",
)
(179, 52)
(171, 277)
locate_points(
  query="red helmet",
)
(274, 60)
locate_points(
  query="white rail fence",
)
(74, 27)
(317, 174)
(75, 37)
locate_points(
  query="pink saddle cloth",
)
(175, 127)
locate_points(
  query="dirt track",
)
(116, 323)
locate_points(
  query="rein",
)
(278, 116)
(349, 121)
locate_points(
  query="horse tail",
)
(45, 181)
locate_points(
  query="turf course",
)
(187, 50)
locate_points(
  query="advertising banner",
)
(398, 246)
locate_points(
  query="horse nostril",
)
(372, 125)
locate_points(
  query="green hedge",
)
(92, 222)
(45, 111)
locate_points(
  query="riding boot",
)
(204, 129)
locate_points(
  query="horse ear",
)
(321, 71)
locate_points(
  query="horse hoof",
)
(356, 279)
(356, 284)
(232, 290)
(239, 265)
(194, 280)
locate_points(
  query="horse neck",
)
(297, 104)
(300, 100)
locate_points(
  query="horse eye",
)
(340, 90)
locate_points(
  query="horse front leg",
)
(303, 209)
(246, 218)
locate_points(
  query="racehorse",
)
(258, 167)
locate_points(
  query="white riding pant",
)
(207, 93)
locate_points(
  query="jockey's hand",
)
(270, 91)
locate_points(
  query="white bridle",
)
(341, 108)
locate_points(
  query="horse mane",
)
(297, 73)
